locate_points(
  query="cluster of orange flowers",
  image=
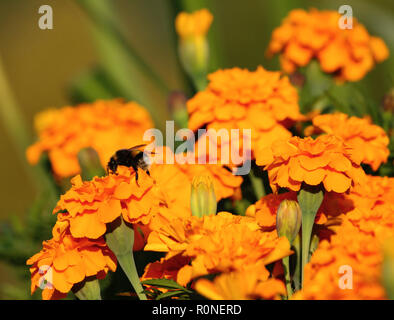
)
(260, 100)
(355, 251)
(354, 219)
(223, 243)
(305, 35)
(84, 212)
(105, 126)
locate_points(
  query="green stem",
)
(257, 185)
(90, 290)
(90, 164)
(309, 199)
(200, 82)
(120, 239)
(297, 271)
(307, 226)
(286, 268)
(241, 206)
(128, 265)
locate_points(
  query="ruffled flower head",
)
(351, 248)
(350, 53)
(90, 205)
(370, 142)
(260, 100)
(105, 126)
(65, 261)
(210, 241)
(326, 159)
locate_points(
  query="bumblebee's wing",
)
(139, 147)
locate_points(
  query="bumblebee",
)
(133, 157)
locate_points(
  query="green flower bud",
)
(203, 199)
(194, 54)
(90, 164)
(288, 219)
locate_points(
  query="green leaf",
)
(164, 283)
(169, 294)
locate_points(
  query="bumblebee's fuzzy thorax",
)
(132, 157)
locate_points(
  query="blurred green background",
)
(48, 68)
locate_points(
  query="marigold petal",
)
(336, 181)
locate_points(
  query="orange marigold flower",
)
(193, 24)
(210, 242)
(349, 247)
(260, 100)
(351, 53)
(65, 261)
(377, 191)
(326, 159)
(370, 142)
(364, 204)
(105, 126)
(241, 285)
(155, 199)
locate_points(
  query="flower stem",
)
(286, 268)
(128, 265)
(297, 271)
(257, 185)
(90, 290)
(120, 239)
(200, 82)
(309, 199)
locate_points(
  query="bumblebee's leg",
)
(136, 174)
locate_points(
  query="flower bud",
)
(193, 45)
(90, 164)
(203, 198)
(288, 219)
